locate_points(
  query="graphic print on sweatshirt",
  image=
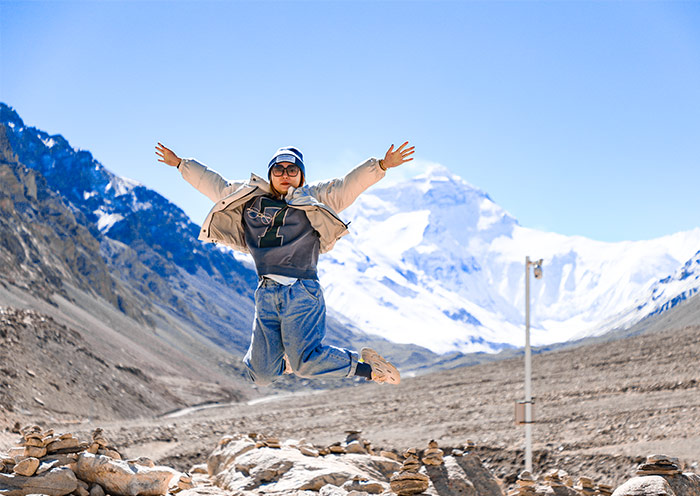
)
(270, 213)
(280, 238)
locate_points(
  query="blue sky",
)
(577, 117)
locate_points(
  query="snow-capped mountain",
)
(435, 262)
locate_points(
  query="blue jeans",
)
(292, 320)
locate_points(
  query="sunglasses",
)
(292, 170)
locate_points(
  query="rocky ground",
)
(600, 409)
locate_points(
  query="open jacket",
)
(321, 201)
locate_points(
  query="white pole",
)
(528, 373)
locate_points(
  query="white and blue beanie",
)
(287, 154)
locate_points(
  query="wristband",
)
(381, 165)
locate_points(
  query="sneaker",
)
(287, 366)
(382, 371)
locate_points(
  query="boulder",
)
(649, 485)
(687, 484)
(364, 485)
(226, 453)
(96, 490)
(120, 478)
(285, 470)
(56, 482)
(485, 483)
(27, 467)
(61, 444)
(449, 479)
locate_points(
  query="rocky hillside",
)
(57, 464)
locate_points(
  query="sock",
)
(364, 370)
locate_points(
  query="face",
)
(284, 182)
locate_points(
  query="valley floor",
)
(599, 408)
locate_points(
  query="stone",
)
(652, 485)
(119, 478)
(62, 444)
(352, 435)
(355, 447)
(408, 483)
(225, 454)
(144, 461)
(308, 451)
(81, 491)
(391, 455)
(199, 469)
(109, 453)
(687, 484)
(331, 490)
(56, 482)
(225, 440)
(96, 490)
(485, 483)
(27, 467)
(59, 460)
(33, 451)
(284, 471)
(36, 442)
(662, 459)
(364, 485)
(336, 449)
(449, 479)
(372, 467)
(525, 476)
(16, 451)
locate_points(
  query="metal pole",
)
(528, 373)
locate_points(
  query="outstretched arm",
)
(340, 193)
(207, 181)
(394, 158)
(167, 156)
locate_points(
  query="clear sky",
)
(577, 117)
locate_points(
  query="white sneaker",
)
(382, 370)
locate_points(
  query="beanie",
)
(287, 154)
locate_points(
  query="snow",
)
(105, 220)
(49, 142)
(435, 262)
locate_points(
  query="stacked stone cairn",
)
(659, 465)
(525, 485)
(466, 448)
(36, 446)
(586, 486)
(604, 489)
(408, 480)
(47, 462)
(557, 478)
(354, 443)
(432, 455)
(265, 441)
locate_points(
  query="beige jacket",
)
(321, 201)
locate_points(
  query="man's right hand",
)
(167, 156)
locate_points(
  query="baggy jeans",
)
(292, 320)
